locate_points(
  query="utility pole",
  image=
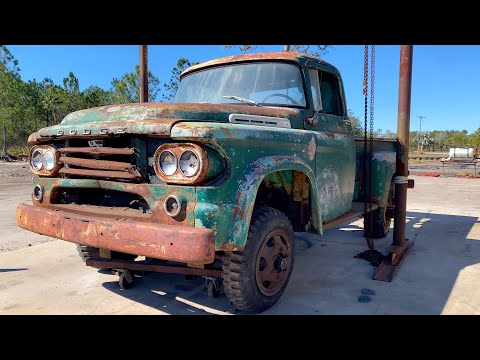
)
(419, 137)
(143, 73)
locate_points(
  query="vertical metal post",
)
(400, 248)
(403, 132)
(143, 73)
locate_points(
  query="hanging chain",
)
(372, 96)
(370, 153)
(368, 139)
(365, 127)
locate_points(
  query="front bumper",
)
(159, 241)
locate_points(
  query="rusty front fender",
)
(247, 191)
(251, 153)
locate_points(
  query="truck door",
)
(335, 152)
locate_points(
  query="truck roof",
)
(294, 56)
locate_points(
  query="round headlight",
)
(48, 160)
(168, 162)
(189, 163)
(36, 159)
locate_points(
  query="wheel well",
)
(290, 192)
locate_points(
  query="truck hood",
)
(148, 119)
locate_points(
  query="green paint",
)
(280, 180)
(216, 164)
(383, 169)
(241, 156)
(139, 143)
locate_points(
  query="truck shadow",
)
(327, 279)
(435, 278)
(172, 294)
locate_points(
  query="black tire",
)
(86, 252)
(380, 225)
(126, 279)
(243, 289)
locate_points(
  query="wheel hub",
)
(280, 263)
(273, 265)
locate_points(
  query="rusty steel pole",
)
(403, 130)
(143, 73)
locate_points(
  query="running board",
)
(355, 211)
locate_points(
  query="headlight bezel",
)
(178, 177)
(43, 170)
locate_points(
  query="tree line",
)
(26, 106)
(436, 140)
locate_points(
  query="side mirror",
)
(312, 121)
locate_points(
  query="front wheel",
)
(255, 278)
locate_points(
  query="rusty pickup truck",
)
(255, 148)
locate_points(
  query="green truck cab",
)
(255, 148)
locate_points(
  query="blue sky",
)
(444, 85)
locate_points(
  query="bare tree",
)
(315, 50)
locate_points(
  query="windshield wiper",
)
(238, 98)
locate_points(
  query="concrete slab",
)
(441, 276)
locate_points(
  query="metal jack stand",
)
(400, 247)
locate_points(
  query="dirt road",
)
(15, 188)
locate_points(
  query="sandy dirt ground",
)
(15, 188)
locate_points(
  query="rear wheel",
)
(255, 279)
(376, 224)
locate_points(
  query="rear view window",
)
(330, 90)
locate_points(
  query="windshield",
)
(261, 83)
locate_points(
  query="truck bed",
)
(384, 160)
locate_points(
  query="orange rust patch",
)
(274, 55)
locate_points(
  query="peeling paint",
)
(329, 190)
(114, 108)
(312, 147)
(388, 156)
